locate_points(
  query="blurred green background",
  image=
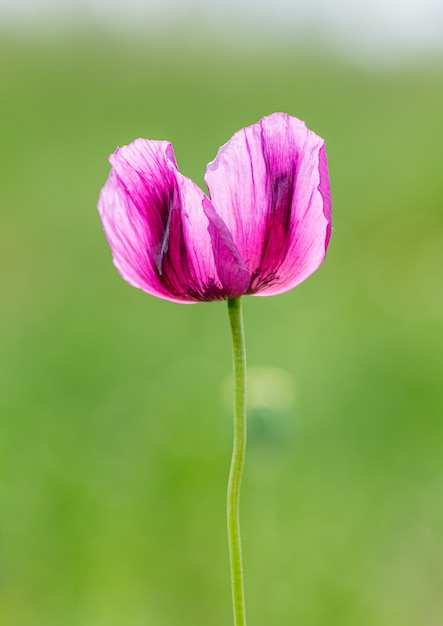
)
(115, 428)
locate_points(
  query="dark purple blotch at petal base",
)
(179, 267)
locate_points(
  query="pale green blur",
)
(115, 431)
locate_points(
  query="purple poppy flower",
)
(264, 228)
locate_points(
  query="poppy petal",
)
(162, 238)
(270, 185)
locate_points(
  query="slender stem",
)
(238, 459)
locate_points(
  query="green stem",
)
(238, 459)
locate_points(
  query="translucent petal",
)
(270, 185)
(162, 238)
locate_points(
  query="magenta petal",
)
(161, 238)
(270, 185)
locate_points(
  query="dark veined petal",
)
(162, 238)
(270, 185)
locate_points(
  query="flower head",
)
(263, 229)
